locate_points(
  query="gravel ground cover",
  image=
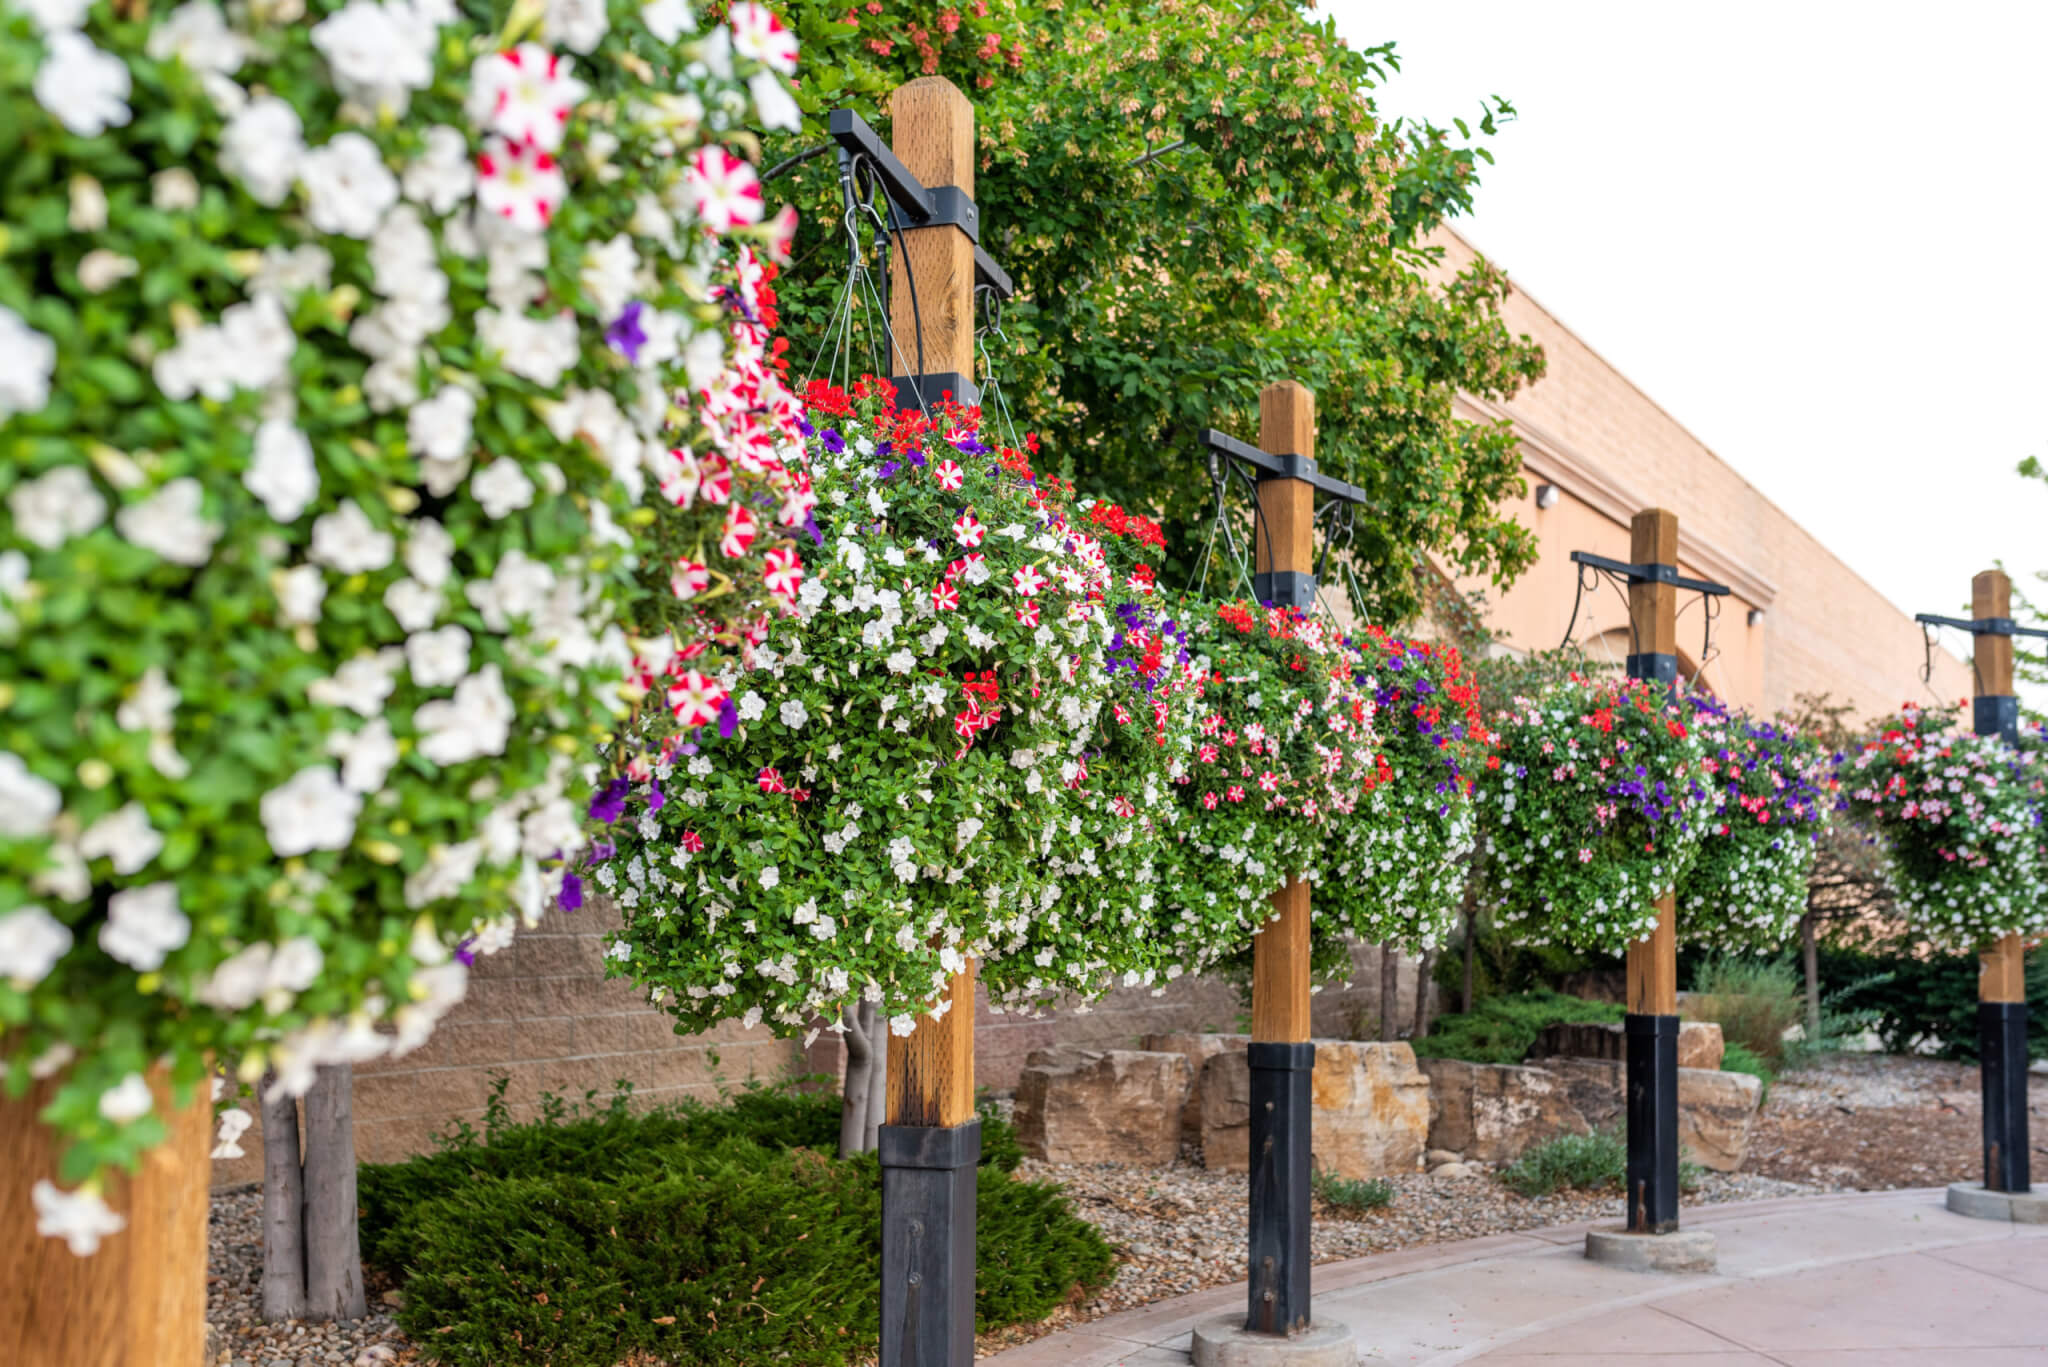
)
(234, 1303)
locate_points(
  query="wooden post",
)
(932, 1142)
(1282, 1059)
(141, 1300)
(1651, 1026)
(2001, 980)
(931, 276)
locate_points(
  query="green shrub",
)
(1914, 1001)
(1501, 1029)
(1740, 1058)
(1754, 1001)
(1351, 1194)
(1582, 1162)
(703, 1234)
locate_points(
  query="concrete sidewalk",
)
(1872, 1279)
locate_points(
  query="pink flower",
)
(784, 572)
(949, 475)
(771, 781)
(695, 698)
(692, 842)
(724, 190)
(1209, 802)
(1269, 782)
(740, 528)
(1235, 793)
(689, 579)
(968, 530)
(945, 598)
(758, 34)
(1028, 581)
(520, 183)
(525, 95)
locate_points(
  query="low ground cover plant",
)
(1581, 1162)
(1351, 1195)
(1501, 1029)
(702, 1234)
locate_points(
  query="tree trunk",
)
(854, 1092)
(284, 1245)
(1423, 971)
(1390, 992)
(878, 1078)
(334, 1260)
(1809, 951)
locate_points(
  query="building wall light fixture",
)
(1756, 617)
(1546, 495)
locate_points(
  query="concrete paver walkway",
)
(1872, 1279)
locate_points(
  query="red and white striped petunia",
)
(1269, 782)
(724, 189)
(784, 572)
(1209, 802)
(689, 579)
(716, 485)
(949, 475)
(695, 698)
(945, 598)
(771, 781)
(692, 842)
(968, 530)
(1235, 793)
(520, 182)
(1028, 581)
(758, 34)
(525, 95)
(1028, 614)
(740, 529)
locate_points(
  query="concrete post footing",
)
(1223, 1341)
(2020, 1207)
(1682, 1250)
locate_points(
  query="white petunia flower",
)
(80, 1218)
(778, 108)
(85, 89)
(347, 542)
(127, 1100)
(517, 588)
(438, 432)
(794, 714)
(31, 943)
(53, 16)
(668, 20)
(238, 980)
(578, 25)
(281, 470)
(292, 270)
(501, 488)
(414, 604)
(152, 706)
(378, 53)
(57, 505)
(99, 270)
(300, 592)
(197, 35)
(170, 523)
(540, 350)
(444, 174)
(607, 275)
(310, 811)
(234, 1121)
(366, 756)
(125, 837)
(429, 552)
(475, 723)
(143, 925)
(262, 148)
(348, 187)
(361, 684)
(438, 658)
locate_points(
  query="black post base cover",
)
(925, 391)
(1652, 1123)
(2002, 1038)
(928, 1244)
(1280, 1133)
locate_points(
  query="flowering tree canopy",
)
(951, 744)
(1961, 821)
(1595, 811)
(1747, 886)
(339, 345)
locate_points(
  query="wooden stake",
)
(1653, 620)
(141, 1300)
(931, 275)
(1284, 542)
(2002, 966)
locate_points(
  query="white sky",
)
(1816, 233)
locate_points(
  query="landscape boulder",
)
(1699, 1043)
(1491, 1112)
(1197, 1049)
(1102, 1105)
(1370, 1109)
(1716, 1110)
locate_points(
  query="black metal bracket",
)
(1656, 666)
(1995, 714)
(1288, 466)
(916, 205)
(1980, 626)
(925, 391)
(1649, 574)
(1285, 588)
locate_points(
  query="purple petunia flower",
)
(466, 951)
(728, 718)
(626, 335)
(571, 898)
(610, 803)
(655, 797)
(834, 443)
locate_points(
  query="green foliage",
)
(1501, 1029)
(702, 1234)
(1740, 1058)
(1351, 1194)
(1754, 1001)
(1195, 201)
(1581, 1162)
(1915, 998)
